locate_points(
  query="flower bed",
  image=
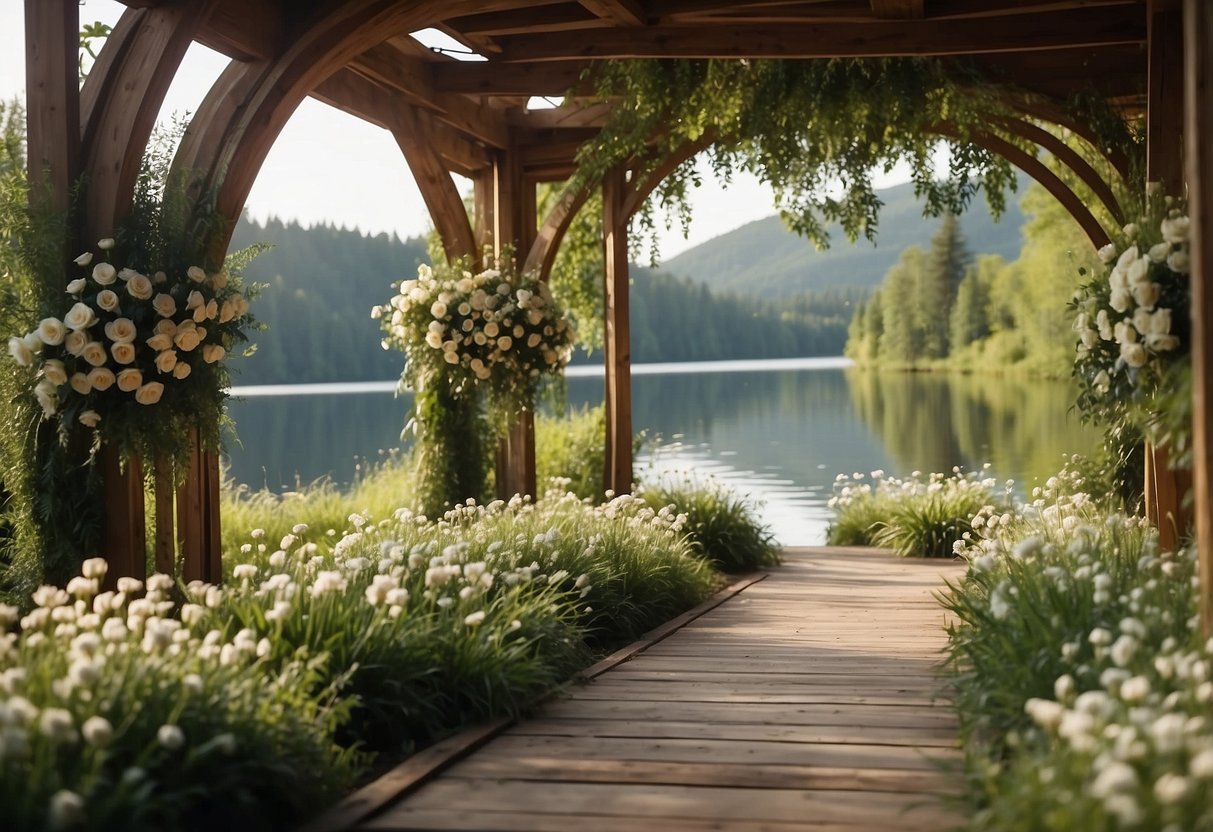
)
(254, 701)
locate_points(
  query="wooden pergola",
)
(1151, 57)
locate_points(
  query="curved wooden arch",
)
(1043, 109)
(228, 160)
(438, 190)
(121, 99)
(542, 254)
(1071, 159)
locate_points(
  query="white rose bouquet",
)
(1132, 321)
(129, 342)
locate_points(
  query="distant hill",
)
(765, 259)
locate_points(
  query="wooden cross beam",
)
(622, 12)
(898, 9)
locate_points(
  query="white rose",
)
(1104, 325)
(1108, 253)
(491, 329)
(101, 378)
(1138, 271)
(126, 274)
(84, 259)
(94, 353)
(165, 327)
(199, 313)
(1127, 257)
(1162, 343)
(1158, 253)
(479, 337)
(1102, 381)
(1175, 229)
(219, 280)
(48, 397)
(75, 287)
(20, 353)
(450, 357)
(434, 339)
(1146, 294)
(212, 353)
(1125, 332)
(159, 342)
(212, 309)
(104, 274)
(438, 309)
(1134, 354)
(107, 299)
(80, 316)
(123, 352)
(534, 317)
(121, 330)
(195, 274)
(105, 243)
(90, 418)
(81, 384)
(139, 287)
(182, 370)
(166, 360)
(227, 311)
(1179, 262)
(1120, 299)
(129, 380)
(504, 343)
(149, 393)
(503, 289)
(74, 342)
(1159, 322)
(194, 300)
(54, 371)
(533, 339)
(159, 277)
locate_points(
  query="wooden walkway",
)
(805, 702)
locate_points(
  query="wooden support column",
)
(514, 226)
(198, 527)
(52, 100)
(617, 339)
(1198, 129)
(434, 181)
(125, 539)
(1165, 488)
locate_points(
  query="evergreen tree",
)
(901, 340)
(969, 321)
(941, 278)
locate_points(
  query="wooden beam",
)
(617, 349)
(554, 18)
(124, 541)
(897, 9)
(442, 198)
(1164, 110)
(555, 225)
(52, 101)
(1080, 27)
(570, 116)
(1198, 129)
(553, 78)
(246, 30)
(620, 12)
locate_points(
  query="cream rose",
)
(533, 340)
(75, 287)
(54, 371)
(438, 309)
(159, 277)
(504, 343)
(80, 316)
(182, 370)
(219, 280)
(165, 327)
(1175, 229)
(194, 300)
(129, 380)
(81, 384)
(1145, 294)
(121, 330)
(90, 418)
(228, 311)
(104, 274)
(212, 309)
(74, 343)
(1179, 262)
(107, 299)
(166, 360)
(94, 353)
(126, 274)
(84, 259)
(105, 243)
(101, 379)
(195, 274)
(187, 339)
(200, 313)
(491, 329)
(212, 353)
(159, 342)
(47, 396)
(149, 393)
(139, 287)
(123, 352)
(51, 331)
(1134, 354)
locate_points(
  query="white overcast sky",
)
(328, 166)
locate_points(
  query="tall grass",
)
(723, 528)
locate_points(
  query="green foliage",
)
(800, 125)
(453, 444)
(915, 517)
(569, 452)
(723, 528)
(1080, 673)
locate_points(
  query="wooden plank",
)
(52, 103)
(1198, 128)
(1164, 106)
(438, 190)
(190, 515)
(124, 539)
(554, 78)
(734, 694)
(1070, 28)
(620, 12)
(474, 819)
(165, 547)
(617, 350)
(750, 776)
(212, 542)
(897, 9)
(711, 713)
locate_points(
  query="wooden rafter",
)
(556, 18)
(442, 198)
(620, 12)
(246, 30)
(898, 9)
(1080, 27)
(482, 78)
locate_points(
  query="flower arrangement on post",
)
(1132, 322)
(135, 358)
(463, 334)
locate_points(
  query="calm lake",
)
(778, 431)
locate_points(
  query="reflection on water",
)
(778, 435)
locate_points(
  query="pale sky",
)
(330, 166)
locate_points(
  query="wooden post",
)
(617, 340)
(1198, 124)
(198, 527)
(1165, 488)
(125, 539)
(52, 99)
(165, 547)
(514, 219)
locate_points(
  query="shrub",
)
(569, 452)
(722, 527)
(1081, 678)
(915, 516)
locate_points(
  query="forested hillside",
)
(323, 281)
(765, 259)
(943, 305)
